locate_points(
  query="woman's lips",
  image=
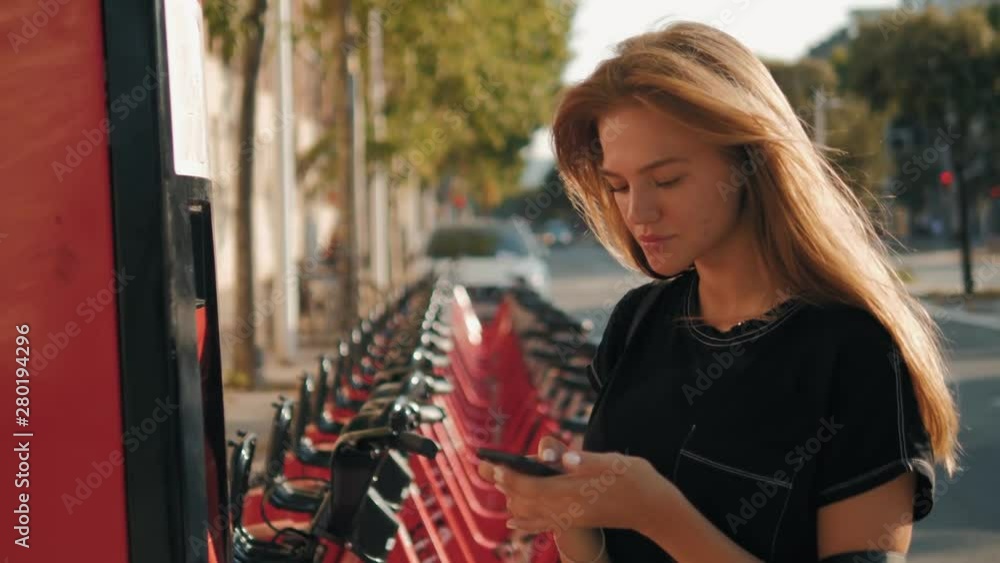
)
(656, 246)
(653, 240)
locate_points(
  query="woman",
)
(774, 394)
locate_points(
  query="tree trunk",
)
(337, 12)
(244, 354)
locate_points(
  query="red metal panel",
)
(59, 278)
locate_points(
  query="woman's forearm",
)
(671, 521)
(582, 545)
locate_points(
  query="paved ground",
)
(965, 525)
(939, 271)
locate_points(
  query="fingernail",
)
(549, 455)
(571, 458)
(512, 524)
(497, 475)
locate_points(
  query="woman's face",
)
(675, 192)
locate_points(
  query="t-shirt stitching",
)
(747, 336)
(900, 414)
(781, 517)
(862, 477)
(736, 470)
(702, 337)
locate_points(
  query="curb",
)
(954, 314)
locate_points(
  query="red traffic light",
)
(947, 178)
(995, 192)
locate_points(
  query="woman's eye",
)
(618, 189)
(669, 183)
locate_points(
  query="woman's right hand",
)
(550, 450)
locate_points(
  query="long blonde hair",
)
(811, 229)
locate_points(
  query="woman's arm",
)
(671, 521)
(582, 545)
(879, 520)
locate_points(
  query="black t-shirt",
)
(761, 425)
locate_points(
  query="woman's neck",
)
(734, 284)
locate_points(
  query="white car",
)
(489, 253)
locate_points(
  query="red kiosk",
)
(108, 320)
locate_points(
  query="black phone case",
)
(518, 463)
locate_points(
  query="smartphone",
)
(519, 463)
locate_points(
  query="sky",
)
(776, 29)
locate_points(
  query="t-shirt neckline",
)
(746, 330)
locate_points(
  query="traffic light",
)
(995, 192)
(947, 179)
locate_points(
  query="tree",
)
(460, 105)
(335, 13)
(928, 66)
(226, 36)
(940, 72)
(464, 103)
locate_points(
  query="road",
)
(965, 524)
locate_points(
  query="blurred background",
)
(355, 143)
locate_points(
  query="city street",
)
(965, 524)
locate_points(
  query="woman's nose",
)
(642, 205)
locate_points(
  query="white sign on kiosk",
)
(185, 64)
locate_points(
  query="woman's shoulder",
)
(844, 323)
(856, 343)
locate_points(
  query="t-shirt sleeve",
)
(877, 431)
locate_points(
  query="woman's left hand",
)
(598, 490)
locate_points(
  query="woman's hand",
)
(607, 490)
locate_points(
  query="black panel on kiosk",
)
(163, 239)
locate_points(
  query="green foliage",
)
(918, 66)
(917, 63)
(800, 80)
(221, 18)
(468, 83)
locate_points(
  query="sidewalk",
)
(252, 410)
(935, 277)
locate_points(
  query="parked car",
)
(489, 253)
